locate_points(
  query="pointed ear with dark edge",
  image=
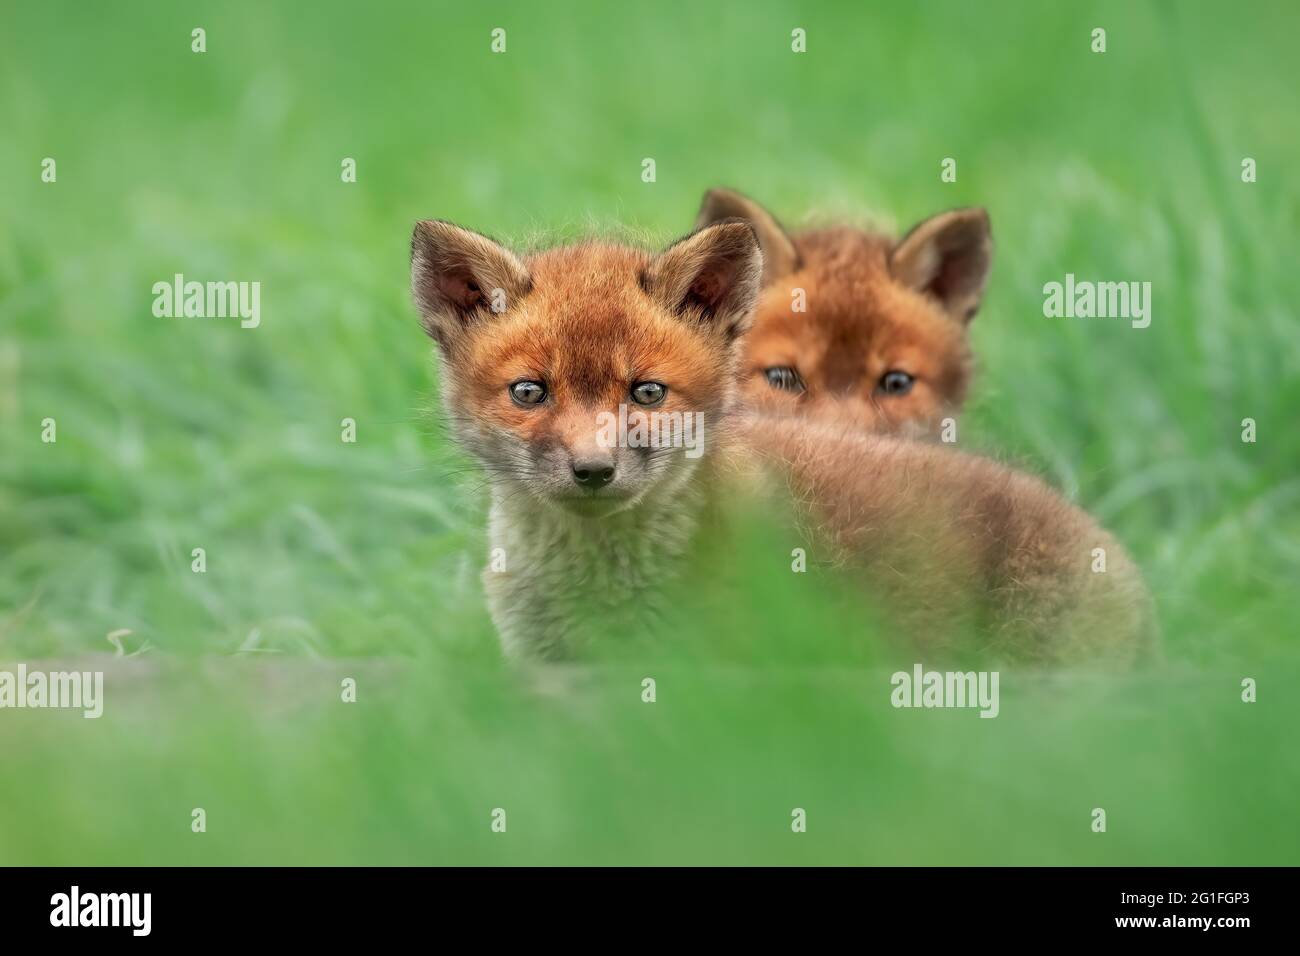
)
(948, 257)
(711, 277)
(779, 255)
(459, 277)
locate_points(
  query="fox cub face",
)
(540, 355)
(855, 327)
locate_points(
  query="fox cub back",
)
(855, 327)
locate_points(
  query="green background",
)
(327, 560)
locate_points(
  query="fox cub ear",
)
(779, 255)
(459, 276)
(947, 256)
(712, 276)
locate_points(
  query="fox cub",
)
(854, 327)
(540, 354)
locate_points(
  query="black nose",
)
(593, 474)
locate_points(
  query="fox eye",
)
(527, 392)
(784, 378)
(896, 383)
(648, 393)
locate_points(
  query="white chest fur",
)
(556, 580)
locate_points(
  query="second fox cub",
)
(539, 353)
(855, 327)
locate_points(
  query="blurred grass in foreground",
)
(328, 560)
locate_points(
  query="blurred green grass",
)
(328, 558)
